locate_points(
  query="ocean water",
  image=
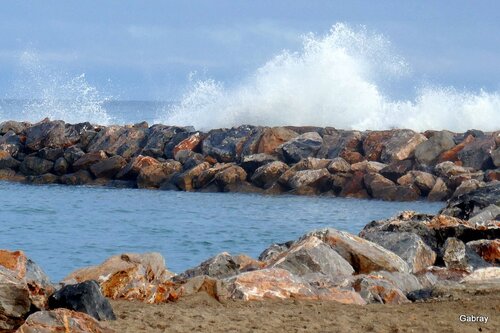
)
(64, 228)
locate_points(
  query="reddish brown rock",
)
(363, 255)
(489, 250)
(374, 144)
(274, 137)
(477, 154)
(353, 186)
(187, 180)
(29, 273)
(338, 164)
(352, 156)
(428, 151)
(267, 175)
(62, 320)
(191, 143)
(452, 154)
(231, 175)
(208, 176)
(132, 169)
(130, 276)
(439, 191)
(154, 175)
(492, 175)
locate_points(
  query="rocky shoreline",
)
(408, 258)
(399, 164)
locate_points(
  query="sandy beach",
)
(202, 313)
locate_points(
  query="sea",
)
(344, 79)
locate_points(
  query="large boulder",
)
(303, 146)
(489, 250)
(396, 170)
(276, 283)
(351, 185)
(11, 143)
(109, 167)
(186, 181)
(363, 255)
(339, 143)
(134, 166)
(83, 297)
(226, 145)
(152, 176)
(86, 160)
(469, 204)
(268, 174)
(427, 152)
(373, 144)
(158, 137)
(192, 143)
(34, 165)
(313, 178)
(439, 191)
(401, 145)
(231, 175)
(130, 276)
(477, 154)
(62, 320)
(16, 127)
(221, 266)
(311, 255)
(376, 289)
(126, 141)
(254, 161)
(339, 165)
(51, 134)
(457, 256)
(7, 161)
(15, 302)
(274, 137)
(410, 247)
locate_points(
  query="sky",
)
(147, 50)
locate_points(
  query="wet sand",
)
(202, 313)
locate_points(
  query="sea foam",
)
(334, 80)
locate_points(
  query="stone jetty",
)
(410, 257)
(397, 164)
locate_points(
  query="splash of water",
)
(57, 96)
(335, 80)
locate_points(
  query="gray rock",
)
(83, 297)
(61, 166)
(401, 146)
(158, 137)
(223, 144)
(7, 161)
(376, 289)
(119, 140)
(303, 146)
(14, 301)
(311, 255)
(15, 126)
(490, 213)
(495, 156)
(252, 162)
(405, 282)
(428, 151)
(221, 266)
(410, 247)
(338, 164)
(275, 250)
(457, 256)
(11, 143)
(73, 154)
(313, 178)
(396, 170)
(439, 191)
(81, 177)
(477, 154)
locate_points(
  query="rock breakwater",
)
(397, 164)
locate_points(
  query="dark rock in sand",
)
(303, 146)
(83, 297)
(109, 167)
(376, 289)
(410, 247)
(33, 165)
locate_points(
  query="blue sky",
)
(146, 49)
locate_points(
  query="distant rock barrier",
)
(396, 165)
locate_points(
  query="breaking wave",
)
(46, 92)
(334, 80)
